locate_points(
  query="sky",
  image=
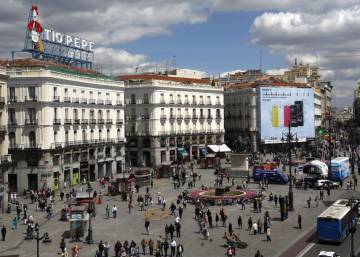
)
(214, 36)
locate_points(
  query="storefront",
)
(84, 170)
(92, 169)
(108, 166)
(67, 176)
(100, 169)
(75, 178)
(56, 184)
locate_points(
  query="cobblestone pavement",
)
(131, 226)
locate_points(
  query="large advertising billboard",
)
(284, 106)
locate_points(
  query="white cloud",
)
(227, 73)
(276, 71)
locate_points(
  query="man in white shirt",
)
(173, 248)
(114, 211)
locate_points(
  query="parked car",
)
(323, 183)
(328, 254)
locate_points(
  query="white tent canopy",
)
(219, 148)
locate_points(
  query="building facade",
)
(64, 125)
(5, 158)
(170, 117)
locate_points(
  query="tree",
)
(357, 111)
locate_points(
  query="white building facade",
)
(171, 118)
(64, 126)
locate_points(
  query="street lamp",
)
(38, 238)
(89, 238)
(289, 137)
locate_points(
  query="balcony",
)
(194, 103)
(146, 117)
(68, 122)
(179, 102)
(31, 99)
(56, 98)
(118, 102)
(163, 117)
(101, 121)
(187, 102)
(171, 101)
(83, 100)
(56, 145)
(218, 104)
(100, 101)
(93, 121)
(91, 101)
(209, 117)
(31, 122)
(76, 121)
(194, 117)
(84, 121)
(179, 117)
(12, 99)
(5, 158)
(218, 117)
(109, 121)
(32, 145)
(75, 100)
(131, 117)
(108, 102)
(119, 121)
(208, 103)
(201, 103)
(67, 99)
(146, 101)
(56, 122)
(162, 101)
(187, 117)
(12, 122)
(202, 117)
(172, 117)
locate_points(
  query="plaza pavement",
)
(131, 226)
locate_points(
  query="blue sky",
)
(223, 43)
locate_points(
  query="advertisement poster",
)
(284, 106)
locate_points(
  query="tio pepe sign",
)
(67, 40)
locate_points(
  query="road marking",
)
(305, 250)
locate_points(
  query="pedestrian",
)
(276, 200)
(151, 246)
(62, 245)
(106, 249)
(114, 211)
(321, 194)
(180, 250)
(239, 222)
(117, 248)
(309, 202)
(147, 224)
(299, 221)
(3, 232)
(216, 219)
(250, 223)
(107, 211)
(258, 254)
(166, 247)
(62, 195)
(143, 245)
(259, 205)
(171, 231)
(255, 228)
(268, 238)
(173, 248)
(230, 229)
(260, 226)
(178, 229)
(14, 223)
(130, 207)
(255, 205)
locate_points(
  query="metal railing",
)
(75, 100)
(108, 102)
(83, 100)
(31, 121)
(67, 99)
(68, 121)
(31, 98)
(57, 122)
(91, 101)
(56, 98)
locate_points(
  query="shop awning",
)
(223, 148)
(182, 151)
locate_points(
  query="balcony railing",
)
(100, 101)
(179, 117)
(172, 117)
(162, 101)
(194, 102)
(32, 146)
(31, 99)
(92, 121)
(75, 100)
(208, 103)
(83, 100)
(163, 117)
(2, 129)
(118, 102)
(101, 121)
(31, 121)
(12, 99)
(67, 99)
(218, 117)
(179, 102)
(210, 117)
(187, 117)
(57, 122)
(194, 117)
(109, 121)
(186, 102)
(108, 102)
(202, 117)
(5, 158)
(12, 122)
(171, 101)
(91, 101)
(68, 121)
(56, 98)
(84, 121)
(56, 145)
(119, 121)
(201, 103)
(76, 121)
(146, 117)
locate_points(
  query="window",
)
(118, 114)
(75, 112)
(194, 112)
(179, 111)
(83, 113)
(75, 135)
(100, 134)
(162, 99)
(31, 114)
(201, 113)
(108, 114)
(92, 114)
(12, 115)
(66, 113)
(209, 113)
(12, 139)
(218, 100)
(107, 96)
(31, 93)
(146, 98)
(208, 100)
(218, 113)
(84, 137)
(171, 98)
(74, 91)
(91, 95)
(100, 114)
(118, 134)
(55, 113)
(171, 112)
(32, 139)
(194, 99)
(66, 136)
(55, 136)
(12, 94)
(66, 93)
(133, 99)
(82, 92)
(162, 111)
(186, 99)
(99, 95)
(108, 134)
(55, 92)
(201, 99)
(92, 135)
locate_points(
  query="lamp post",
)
(289, 137)
(38, 239)
(89, 238)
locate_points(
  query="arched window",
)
(118, 134)
(66, 136)
(108, 134)
(92, 135)
(100, 136)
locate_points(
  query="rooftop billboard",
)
(281, 107)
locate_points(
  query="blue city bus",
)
(340, 169)
(334, 223)
(275, 176)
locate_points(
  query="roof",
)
(335, 211)
(164, 78)
(273, 82)
(29, 62)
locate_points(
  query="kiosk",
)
(78, 221)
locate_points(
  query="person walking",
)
(173, 248)
(151, 246)
(230, 228)
(216, 219)
(166, 247)
(106, 249)
(117, 248)
(3, 232)
(268, 238)
(309, 202)
(259, 205)
(107, 211)
(299, 221)
(180, 250)
(178, 229)
(259, 226)
(250, 223)
(255, 228)
(276, 200)
(143, 245)
(62, 245)
(239, 221)
(258, 254)
(114, 211)
(147, 225)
